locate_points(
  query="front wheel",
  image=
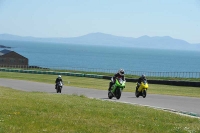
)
(59, 89)
(118, 93)
(144, 93)
(137, 94)
(110, 95)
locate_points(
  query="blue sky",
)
(129, 18)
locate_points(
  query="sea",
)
(65, 56)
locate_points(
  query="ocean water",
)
(52, 55)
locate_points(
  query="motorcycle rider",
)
(142, 78)
(120, 74)
(58, 79)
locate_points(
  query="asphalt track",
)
(179, 104)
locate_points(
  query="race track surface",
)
(180, 104)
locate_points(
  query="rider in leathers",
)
(58, 79)
(120, 74)
(143, 77)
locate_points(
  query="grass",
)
(31, 112)
(102, 84)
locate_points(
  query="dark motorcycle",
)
(59, 87)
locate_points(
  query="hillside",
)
(165, 42)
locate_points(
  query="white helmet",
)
(59, 76)
(121, 72)
(143, 76)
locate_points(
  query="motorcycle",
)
(142, 90)
(116, 89)
(59, 87)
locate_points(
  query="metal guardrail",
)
(95, 70)
(52, 73)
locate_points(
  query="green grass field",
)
(33, 112)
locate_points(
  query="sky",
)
(179, 19)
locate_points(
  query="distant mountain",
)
(2, 46)
(157, 42)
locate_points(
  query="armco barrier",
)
(2, 69)
(20, 71)
(99, 76)
(79, 74)
(175, 83)
(164, 82)
(90, 75)
(50, 72)
(107, 77)
(65, 73)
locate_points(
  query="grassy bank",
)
(31, 112)
(102, 84)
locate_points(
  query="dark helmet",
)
(143, 76)
(121, 72)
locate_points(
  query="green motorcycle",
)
(117, 88)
